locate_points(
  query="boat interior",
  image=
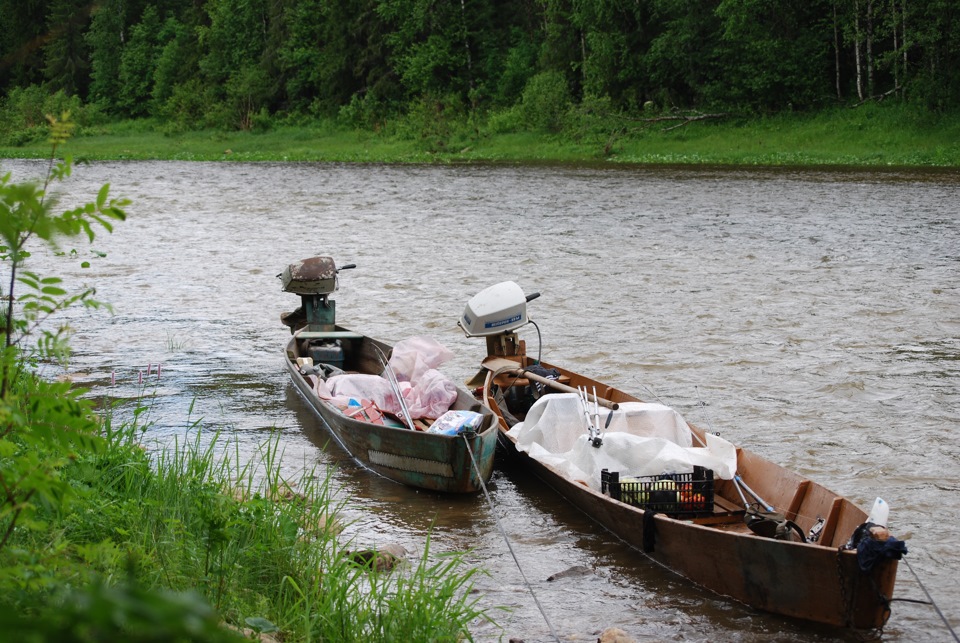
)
(823, 517)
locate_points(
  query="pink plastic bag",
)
(413, 357)
(431, 395)
(368, 387)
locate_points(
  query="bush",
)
(431, 122)
(23, 115)
(546, 98)
(187, 107)
(362, 112)
(25, 107)
(507, 121)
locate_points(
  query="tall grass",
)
(263, 552)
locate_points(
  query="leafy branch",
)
(43, 425)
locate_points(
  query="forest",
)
(237, 64)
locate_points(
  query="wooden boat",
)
(397, 446)
(745, 543)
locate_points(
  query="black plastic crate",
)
(679, 494)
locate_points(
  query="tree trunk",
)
(903, 33)
(583, 58)
(870, 86)
(466, 41)
(856, 48)
(836, 51)
(896, 42)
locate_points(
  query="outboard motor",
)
(314, 279)
(495, 313)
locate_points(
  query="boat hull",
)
(815, 582)
(435, 462)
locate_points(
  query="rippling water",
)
(816, 315)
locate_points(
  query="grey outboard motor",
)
(314, 279)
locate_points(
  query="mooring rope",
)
(507, 540)
(929, 601)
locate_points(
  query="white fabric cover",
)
(642, 440)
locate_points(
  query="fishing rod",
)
(738, 482)
(395, 385)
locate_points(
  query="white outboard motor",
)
(499, 309)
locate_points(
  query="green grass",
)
(189, 535)
(870, 136)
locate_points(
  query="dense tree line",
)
(234, 61)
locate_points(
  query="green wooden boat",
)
(394, 445)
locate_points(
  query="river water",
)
(810, 316)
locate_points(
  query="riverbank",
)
(868, 136)
(106, 534)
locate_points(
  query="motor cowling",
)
(313, 276)
(501, 308)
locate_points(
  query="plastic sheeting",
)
(427, 392)
(642, 440)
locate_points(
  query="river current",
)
(810, 316)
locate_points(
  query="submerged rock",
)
(576, 570)
(382, 560)
(614, 635)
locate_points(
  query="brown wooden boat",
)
(400, 447)
(768, 537)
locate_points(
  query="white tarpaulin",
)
(642, 440)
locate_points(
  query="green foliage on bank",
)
(238, 64)
(870, 136)
(103, 538)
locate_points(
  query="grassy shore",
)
(189, 545)
(868, 136)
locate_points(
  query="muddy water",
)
(816, 315)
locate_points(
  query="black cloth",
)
(870, 551)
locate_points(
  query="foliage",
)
(138, 63)
(175, 62)
(66, 65)
(23, 114)
(778, 52)
(242, 64)
(105, 41)
(519, 65)
(546, 99)
(123, 611)
(43, 425)
(187, 107)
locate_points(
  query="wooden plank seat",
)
(328, 334)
